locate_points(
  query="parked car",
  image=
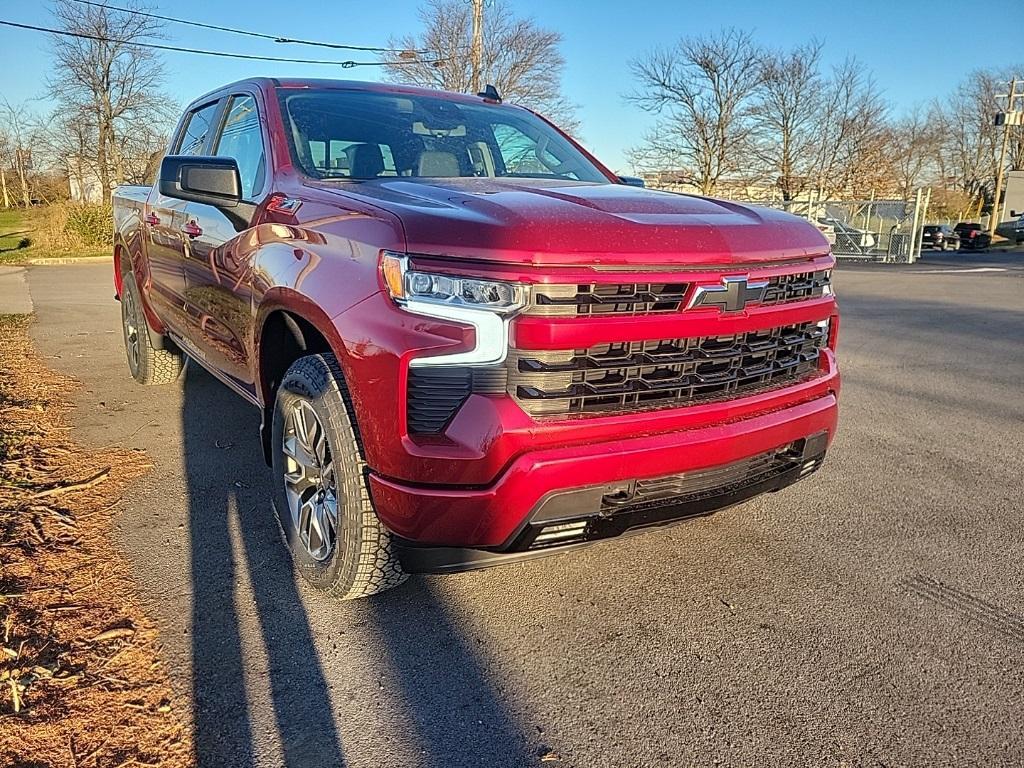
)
(470, 343)
(845, 238)
(972, 236)
(940, 236)
(1018, 229)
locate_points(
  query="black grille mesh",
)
(629, 376)
(433, 395)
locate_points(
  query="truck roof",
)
(267, 84)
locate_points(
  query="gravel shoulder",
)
(81, 680)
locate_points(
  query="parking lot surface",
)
(871, 615)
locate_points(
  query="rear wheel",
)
(148, 365)
(322, 497)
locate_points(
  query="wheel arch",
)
(118, 268)
(289, 326)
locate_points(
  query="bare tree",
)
(914, 145)
(852, 156)
(787, 115)
(520, 58)
(18, 145)
(106, 87)
(970, 141)
(702, 89)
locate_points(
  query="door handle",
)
(152, 219)
(192, 229)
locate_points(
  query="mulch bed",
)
(81, 680)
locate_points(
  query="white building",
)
(84, 185)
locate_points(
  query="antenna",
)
(490, 93)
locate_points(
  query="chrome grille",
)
(607, 299)
(639, 375)
(796, 287)
(592, 299)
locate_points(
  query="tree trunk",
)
(3, 186)
(102, 156)
(22, 177)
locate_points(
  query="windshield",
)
(365, 135)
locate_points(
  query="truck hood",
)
(541, 222)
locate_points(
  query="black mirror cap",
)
(198, 179)
(632, 181)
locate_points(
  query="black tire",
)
(361, 561)
(147, 364)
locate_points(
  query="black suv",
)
(941, 236)
(972, 236)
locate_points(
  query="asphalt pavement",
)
(14, 293)
(871, 615)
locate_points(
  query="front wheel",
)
(321, 496)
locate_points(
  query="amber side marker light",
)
(394, 275)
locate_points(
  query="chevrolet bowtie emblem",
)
(731, 296)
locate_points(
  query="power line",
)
(234, 31)
(222, 54)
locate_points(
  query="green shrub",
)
(92, 224)
(73, 226)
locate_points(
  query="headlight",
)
(407, 286)
(487, 305)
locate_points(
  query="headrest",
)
(437, 164)
(365, 161)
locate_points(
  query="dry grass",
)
(70, 227)
(81, 681)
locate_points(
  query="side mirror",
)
(210, 180)
(632, 181)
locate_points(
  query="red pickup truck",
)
(471, 343)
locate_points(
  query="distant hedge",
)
(70, 226)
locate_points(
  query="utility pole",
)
(1008, 120)
(477, 50)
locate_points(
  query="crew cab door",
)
(218, 261)
(163, 220)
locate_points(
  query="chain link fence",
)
(871, 230)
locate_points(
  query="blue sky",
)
(909, 45)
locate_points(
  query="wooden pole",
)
(997, 209)
(477, 49)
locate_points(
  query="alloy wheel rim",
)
(309, 480)
(131, 331)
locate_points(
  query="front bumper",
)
(492, 517)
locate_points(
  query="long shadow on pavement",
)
(448, 705)
(218, 506)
